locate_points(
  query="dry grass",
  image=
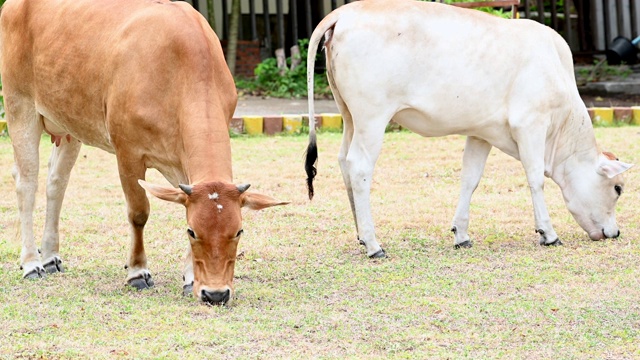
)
(305, 288)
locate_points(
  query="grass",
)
(304, 287)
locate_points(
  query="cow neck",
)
(206, 155)
(574, 147)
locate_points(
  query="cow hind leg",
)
(25, 131)
(62, 159)
(358, 171)
(138, 276)
(473, 161)
(347, 135)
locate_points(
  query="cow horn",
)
(242, 188)
(186, 188)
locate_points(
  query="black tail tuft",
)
(311, 159)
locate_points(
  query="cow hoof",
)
(36, 273)
(378, 255)
(465, 244)
(142, 282)
(187, 290)
(556, 242)
(53, 266)
(360, 241)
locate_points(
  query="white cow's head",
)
(591, 196)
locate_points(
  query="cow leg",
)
(360, 162)
(137, 212)
(61, 162)
(475, 156)
(187, 275)
(531, 149)
(347, 135)
(25, 131)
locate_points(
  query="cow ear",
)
(612, 168)
(165, 193)
(255, 201)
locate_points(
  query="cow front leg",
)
(531, 147)
(473, 161)
(138, 275)
(25, 131)
(187, 275)
(62, 159)
(360, 162)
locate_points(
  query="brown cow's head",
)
(215, 227)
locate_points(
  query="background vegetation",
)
(271, 81)
(305, 288)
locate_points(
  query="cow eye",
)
(240, 233)
(618, 189)
(191, 233)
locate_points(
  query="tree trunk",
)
(232, 43)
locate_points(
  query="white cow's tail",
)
(312, 150)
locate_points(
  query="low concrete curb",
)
(293, 124)
(288, 124)
(615, 115)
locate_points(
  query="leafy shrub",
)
(497, 12)
(292, 83)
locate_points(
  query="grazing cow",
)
(439, 70)
(145, 80)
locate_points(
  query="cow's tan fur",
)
(143, 79)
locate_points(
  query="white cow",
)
(439, 70)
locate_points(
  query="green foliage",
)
(601, 71)
(271, 81)
(497, 12)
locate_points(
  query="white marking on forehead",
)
(213, 196)
(219, 207)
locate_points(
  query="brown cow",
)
(145, 80)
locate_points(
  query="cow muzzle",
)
(604, 234)
(215, 297)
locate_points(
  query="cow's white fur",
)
(440, 70)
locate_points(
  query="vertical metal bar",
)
(252, 15)
(225, 20)
(635, 28)
(307, 10)
(196, 5)
(541, 11)
(567, 24)
(267, 27)
(240, 27)
(624, 18)
(527, 9)
(607, 23)
(619, 21)
(280, 22)
(554, 15)
(293, 16)
(334, 4)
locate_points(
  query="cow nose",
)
(612, 237)
(215, 297)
